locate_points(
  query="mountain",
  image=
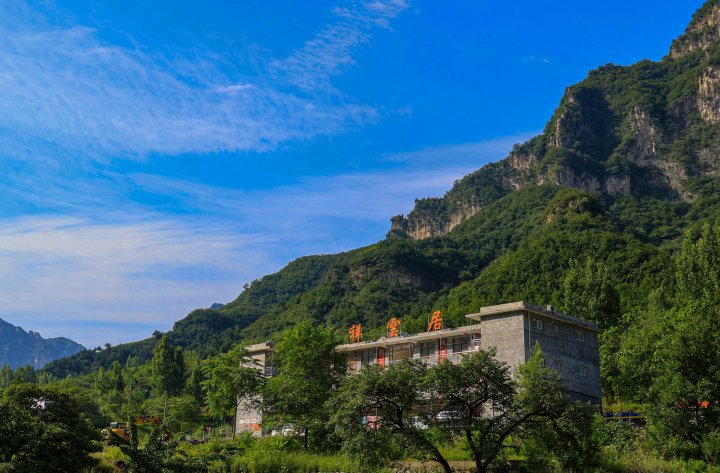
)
(20, 348)
(626, 165)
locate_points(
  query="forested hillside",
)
(626, 166)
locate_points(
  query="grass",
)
(642, 461)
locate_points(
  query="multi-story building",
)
(569, 345)
(248, 417)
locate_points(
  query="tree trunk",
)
(234, 424)
(444, 463)
(164, 407)
(306, 438)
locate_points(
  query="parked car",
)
(447, 417)
(419, 423)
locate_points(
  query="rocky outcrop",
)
(427, 225)
(708, 97)
(395, 274)
(568, 177)
(702, 33)
(645, 130)
(646, 137)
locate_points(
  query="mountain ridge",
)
(601, 139)
(626, 165)
(19, 347)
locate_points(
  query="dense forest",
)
(611, 215)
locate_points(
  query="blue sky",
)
(158, 155)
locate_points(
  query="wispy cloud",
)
(68, 272)
(65, 90)
(325, 56)
(368, 195)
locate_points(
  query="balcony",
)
(355, 366)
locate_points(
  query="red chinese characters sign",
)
(436, 322)
(393, 327)
(355, 333)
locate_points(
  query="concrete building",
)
(569, 345)
(247, 417)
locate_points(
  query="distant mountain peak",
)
(19, 348)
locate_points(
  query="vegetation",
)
(45, 429)
(611, 215)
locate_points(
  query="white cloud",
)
(109, 269)
(64, 89)
(72, 272)
(370, 196)
(325, 56)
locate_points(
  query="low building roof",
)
(548, 311)
(414, 338)
(260, 347)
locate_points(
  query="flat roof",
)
(535, 309)
(260, 347)
(414, 338)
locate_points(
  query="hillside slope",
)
(628, 162)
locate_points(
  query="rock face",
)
(708, 98)
(20, 348)
(650, 129)
(702, 33)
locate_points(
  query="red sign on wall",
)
(442, 351)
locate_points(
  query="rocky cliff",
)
(650, 129)
(20, 348)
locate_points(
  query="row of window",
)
(580, 370)
(455, 345)
(538, 324)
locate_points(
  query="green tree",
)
(26, 374)
(392, 396)
(685, 392)
(193, 385)
(697, 267)
(117, 377)
(491, 406)
(158, 455)
(228, 378)
(44, 429)
(309, 369)
(677, 349)
(589, 293)
(167, 370)
(6, 376)
(546, 416)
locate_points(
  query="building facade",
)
(569, 345)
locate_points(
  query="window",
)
(556, 363)
(538, 324)
(367, 357)
(428, 348)
(579, 336)
(556, 328)
(542, 361)
(460, 344)
(580, 370)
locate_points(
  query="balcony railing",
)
(431, 360)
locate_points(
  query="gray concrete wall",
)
(563, 352)
(507, 334)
